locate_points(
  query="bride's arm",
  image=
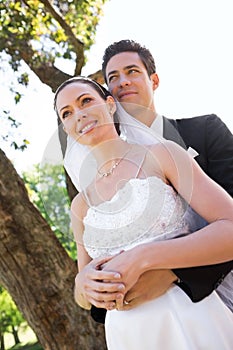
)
(78, 208)
(79, 290)
(210, 245)
(92, 285)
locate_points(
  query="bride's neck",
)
(108, 151)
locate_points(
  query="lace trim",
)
(143, 210)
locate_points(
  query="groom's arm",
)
(215, 145)
(196, 282)
(199, 282)
(150, 285)
(98, 314)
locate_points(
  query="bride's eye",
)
(65, 114)
(86, 100)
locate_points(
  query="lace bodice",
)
(143, 210)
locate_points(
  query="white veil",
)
(225, 290)
(75, 155)
(79, 161)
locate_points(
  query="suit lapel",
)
(171, 133)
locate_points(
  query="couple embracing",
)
(132, 220)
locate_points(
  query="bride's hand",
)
(126, 264)
(98, 287)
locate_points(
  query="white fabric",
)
(81, 165)
(141, 211)
(136, 132)
(157, 125)
(108, 225)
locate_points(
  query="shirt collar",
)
(157, 125)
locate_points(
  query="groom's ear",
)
(155, 80)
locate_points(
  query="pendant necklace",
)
(115, 164)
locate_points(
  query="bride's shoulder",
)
(166, 154)
(79, 205)
(165, 146)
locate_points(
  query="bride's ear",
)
(111, 105)
(63, 127)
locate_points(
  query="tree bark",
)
(38, 273)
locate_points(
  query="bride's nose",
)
(80, 116)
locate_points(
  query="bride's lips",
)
(87, 127)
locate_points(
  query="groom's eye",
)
(111, 78)
(133, 70)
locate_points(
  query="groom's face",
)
(128, 81)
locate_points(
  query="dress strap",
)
(86, 196)
(141, 164)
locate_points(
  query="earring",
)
(64, 128)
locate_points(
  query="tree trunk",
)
(2, 342)
(15, 335)
(38, 273)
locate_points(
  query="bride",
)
(134, 205)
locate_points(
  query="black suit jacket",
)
(210, 137)
(213, 141)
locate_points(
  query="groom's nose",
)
(124, 80)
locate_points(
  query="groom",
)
(130, 73)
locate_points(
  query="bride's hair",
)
(102, 91)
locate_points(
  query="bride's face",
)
(85, 115)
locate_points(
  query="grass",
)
(29, 346)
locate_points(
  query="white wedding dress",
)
(145, 210)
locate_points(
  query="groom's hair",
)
(129, 46)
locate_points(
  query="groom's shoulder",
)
(196, 120)
(199, 126)
(196, 130)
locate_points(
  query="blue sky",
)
(191, 41)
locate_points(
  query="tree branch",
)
(42, 67)
(78, 46)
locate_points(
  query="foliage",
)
(11, 318)
(8, 123)
(44, 35)
(42, 31)
(35, 346)
(47, 190)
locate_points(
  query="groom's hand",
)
(150, 285)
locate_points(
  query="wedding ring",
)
(126, 302)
